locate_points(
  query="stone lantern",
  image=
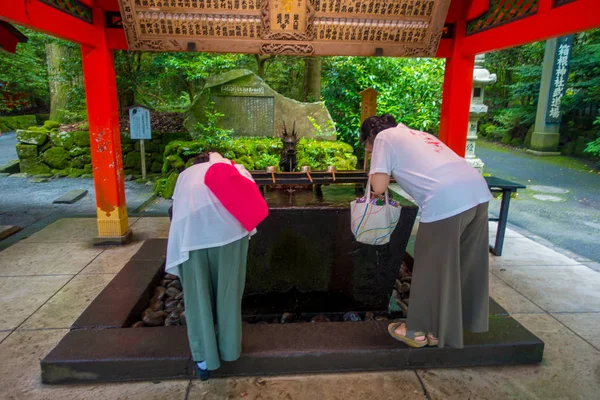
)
(481, 79)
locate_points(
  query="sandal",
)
(432, 341)
(405, 339)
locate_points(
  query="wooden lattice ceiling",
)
(408, 28)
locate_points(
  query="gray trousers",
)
(450, 283)
(213, 281)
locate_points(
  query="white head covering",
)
(199, 219)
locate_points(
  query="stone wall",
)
(50, 151)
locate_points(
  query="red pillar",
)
(456, 99)
(105, 140)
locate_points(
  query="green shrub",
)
(516, 142)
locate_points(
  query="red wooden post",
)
(456, 99)
(105, 141)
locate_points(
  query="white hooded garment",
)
(199, 219)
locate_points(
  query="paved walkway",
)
(561, 205)
(8, 151)
(48, 279)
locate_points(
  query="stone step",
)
(107, 355)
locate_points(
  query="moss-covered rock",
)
(149, 147)
(157, 157)
(34, 167)
(12, 123)
(175, 162)
(516, 142)
(126, 148)
(57, 157)
(62, 139)
(31, 137)
(78, 151)
(81, 161)
(49, 125)
(61, 173)
(82, 138)
(156, 166)
(44, 147)
(126, 138)
(169, 188)
(25, 151)
(75, 172)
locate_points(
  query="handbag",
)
(239, 195)
(371, 223)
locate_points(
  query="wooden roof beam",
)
(41, 17)
(548, 22)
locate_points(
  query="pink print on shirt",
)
(432, 141)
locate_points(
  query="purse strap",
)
(368, 194)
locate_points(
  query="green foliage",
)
(513, 99)
(593, 147)
(209, 132)
(260, 153)
(410, 89)
(23, 75)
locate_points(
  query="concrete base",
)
(544, 141)
(113, 240)
(100, 347)
(543, 153)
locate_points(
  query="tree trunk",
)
(312, 79)
(58, 87)
(261, 60)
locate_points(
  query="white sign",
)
(139, 123)
(233, 89)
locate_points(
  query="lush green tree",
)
(410, 89)
(24, 74)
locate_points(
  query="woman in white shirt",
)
(449, 289)
(207, 249)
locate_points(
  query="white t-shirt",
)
(199, 219)
(442, 183)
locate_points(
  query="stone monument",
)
(544, 140)
(253, 108)
(481, 79)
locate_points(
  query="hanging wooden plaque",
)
(398, 28)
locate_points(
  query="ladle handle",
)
(309, 177)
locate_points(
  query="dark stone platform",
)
(100, 349)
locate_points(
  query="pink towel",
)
(238, 194)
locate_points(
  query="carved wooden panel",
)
(501, 12)
(411, 28)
